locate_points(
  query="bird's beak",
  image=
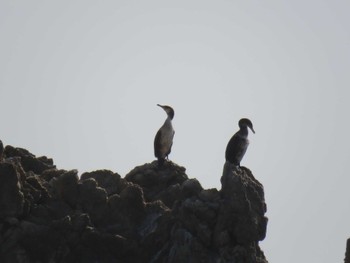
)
(160, 105)
(252, 129)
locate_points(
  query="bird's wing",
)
(157, 144)
(235, 149)
(230, 149)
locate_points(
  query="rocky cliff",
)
(153, 214)
(347, 252)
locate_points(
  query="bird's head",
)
(246, 123)
(169, 110)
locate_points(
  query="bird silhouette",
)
(164, 137)
(238, 144)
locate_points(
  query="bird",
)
(238, 144)
(164, 137)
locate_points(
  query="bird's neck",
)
(243, 132)
(168, 123)
(171, 115)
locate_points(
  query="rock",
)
(66, 187)
(107, 180)
(11, 196)
(28, 160)
(1, 150)
(35, 187)
(209, 195)
(347, 252)
(128, 208)
(241, 218)
(155, 214)
(159, 183)
(92, 199)
(246, 196)
(49, 174)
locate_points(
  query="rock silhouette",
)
(347, 252)
(155, 214)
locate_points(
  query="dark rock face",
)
(1, 150)
(154, 214)
(347, 252)
(11, 196)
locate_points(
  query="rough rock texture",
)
(154, 214)
(1, 150)
(347, 252)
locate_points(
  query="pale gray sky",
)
(80, 80)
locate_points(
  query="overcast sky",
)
(80, 80)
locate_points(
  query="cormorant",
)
(164, 137)
(239, 142)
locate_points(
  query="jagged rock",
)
(159, 183)
(34, 187)
(241, 220)
(111, 182)
(66, 187)
(347, 252)
(11, 196)
(1, 150)
(187, 248)
(49, 174)
(155, 214)
(92, 199)
(207, 224)
(127, 211)
(28, 160)
(246, 197)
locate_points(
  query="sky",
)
(80, 80)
